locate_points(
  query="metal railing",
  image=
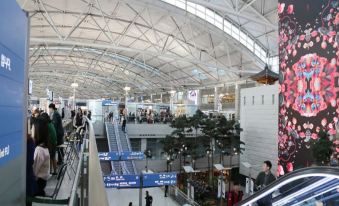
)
(180, 197)
(88, 187)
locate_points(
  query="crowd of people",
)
(150, 116)
(45, 134)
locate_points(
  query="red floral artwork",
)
(309, 80)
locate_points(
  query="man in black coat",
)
(57, 122)
(265, 178)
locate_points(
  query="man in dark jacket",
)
(149, 199)
(57, 122)
(264, 178)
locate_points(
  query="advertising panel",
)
(309, 59)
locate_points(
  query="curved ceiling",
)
(148, 45)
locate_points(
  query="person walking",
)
(31, 186)
(57, 122)
(130, 204)
(263, 179)
(41, 165)
(166, 190)
(149, 199)
(123, 127)
(52, 143)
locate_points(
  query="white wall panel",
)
(260, 124)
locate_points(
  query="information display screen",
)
(109, 156)
(13, 43)
(159, 179)
(128, 155)
(122, 181)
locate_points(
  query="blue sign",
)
(159, 179)
(108, 102)
(109, 156)
(128, 155)
(13, 50)
(122, 181)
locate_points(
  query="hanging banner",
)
(309, 57)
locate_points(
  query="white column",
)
(237, 101)
(199, 98)
(143, 144)
(216, 98)
(161, 97)
(171, 102)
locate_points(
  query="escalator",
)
(317, 186)
(126, 147)
(113, 147)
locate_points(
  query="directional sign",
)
(122, 181)
(108, 102)
(128, 155)
(159, 179)
(109, 156)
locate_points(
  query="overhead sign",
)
(122, 181)
(108, 102)
(123, 156)
(109, 156)
(128, 155)
(13, 50)
(159, 179)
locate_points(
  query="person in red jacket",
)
(235, 195)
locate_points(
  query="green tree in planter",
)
(322, 149)
(228, 137)
(195, 124)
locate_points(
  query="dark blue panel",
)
(159, 179)
(132, 155)
(10, 117)
(13, 43)
(11, 65)
(10, 145)
(11, 93)
(109, 156)
(122, 181)
(13, 29)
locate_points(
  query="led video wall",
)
(309, 59)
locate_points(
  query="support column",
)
(237, 101)
(171, 102)
(216, 98)
(199, 98)
(143, 144)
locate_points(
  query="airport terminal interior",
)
(169, 102)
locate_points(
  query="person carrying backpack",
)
(149, 199)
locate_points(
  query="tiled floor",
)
(122, 197)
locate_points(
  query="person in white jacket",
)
(41, 165)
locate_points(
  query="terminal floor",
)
(121, 197)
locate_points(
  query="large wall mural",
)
(309, 90)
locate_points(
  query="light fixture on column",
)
(127, 88)
(74, 85)
(172, 91)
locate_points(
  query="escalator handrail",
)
(297, 174)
